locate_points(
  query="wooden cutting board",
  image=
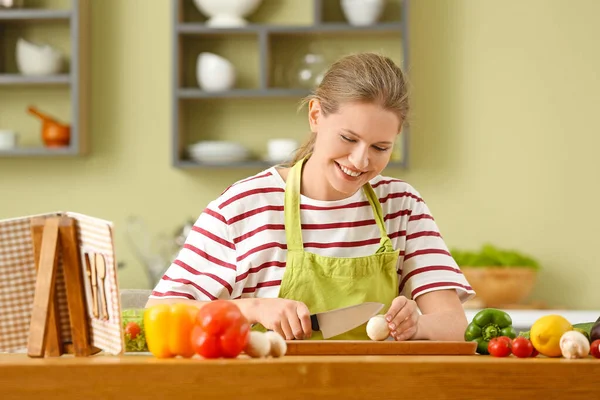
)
(367, 347)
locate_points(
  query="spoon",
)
(101, 270)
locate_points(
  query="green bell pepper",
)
(488, 324)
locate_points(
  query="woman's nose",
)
(359, 158)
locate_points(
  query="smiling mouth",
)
(349, 172)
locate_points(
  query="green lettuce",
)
(138, 343)
(490, 256)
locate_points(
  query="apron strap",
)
(291, 208)
(378, 211)
(293, 226)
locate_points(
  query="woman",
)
(328, 231)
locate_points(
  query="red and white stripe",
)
(237, 247)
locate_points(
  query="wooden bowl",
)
(500, 286)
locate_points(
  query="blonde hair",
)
(362, 77)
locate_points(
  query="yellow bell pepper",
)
(168, 329)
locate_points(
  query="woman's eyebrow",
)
(360, 137)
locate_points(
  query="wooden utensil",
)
(367, 347)
(101, 270)
(90, 270)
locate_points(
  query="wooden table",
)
(298, 377)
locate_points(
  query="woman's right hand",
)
(289, 318)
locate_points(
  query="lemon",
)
(546, 332)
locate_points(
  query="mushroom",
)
(278, 345)
(574, 344)
(377, 328)
(259, 345)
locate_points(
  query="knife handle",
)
(314, 322)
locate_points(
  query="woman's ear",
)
(314, 113)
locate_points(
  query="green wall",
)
(503, 144)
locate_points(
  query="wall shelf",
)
(191, 164)
(190, 28)
(38, 151)
(63, 96)
(193, 93)
(263, 53)
(34, 15)
(18, 79)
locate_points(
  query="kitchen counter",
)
(297, 377)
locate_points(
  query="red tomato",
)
(218, 315)
(499, 347)
(234, 340)
(522, 347)
(595, 348)
(506, 339)
(132, 329)
(534, 353)
(205, 344)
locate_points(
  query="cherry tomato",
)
(595, 348)
(522, 347)
(534, 353)
(506, 339)
(499, 347)
(132, 329)
(205, 344)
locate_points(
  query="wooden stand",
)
(50, 236)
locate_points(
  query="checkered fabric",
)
(18, 276)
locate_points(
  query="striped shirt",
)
(237, 247)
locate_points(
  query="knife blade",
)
(335, 322)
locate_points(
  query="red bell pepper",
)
(220, 330)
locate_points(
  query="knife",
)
(335, 322)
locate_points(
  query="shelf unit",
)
(72, 84)
(261, 40)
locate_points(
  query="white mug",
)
(8, 139)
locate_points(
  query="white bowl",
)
(38, 59)
(214, 73)
(227, 13)
(280, 150)
(362, 12)
(218, 152)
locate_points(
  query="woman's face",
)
(352, 145)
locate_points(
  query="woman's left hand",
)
(402, 318)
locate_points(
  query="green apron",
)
(325, 283)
